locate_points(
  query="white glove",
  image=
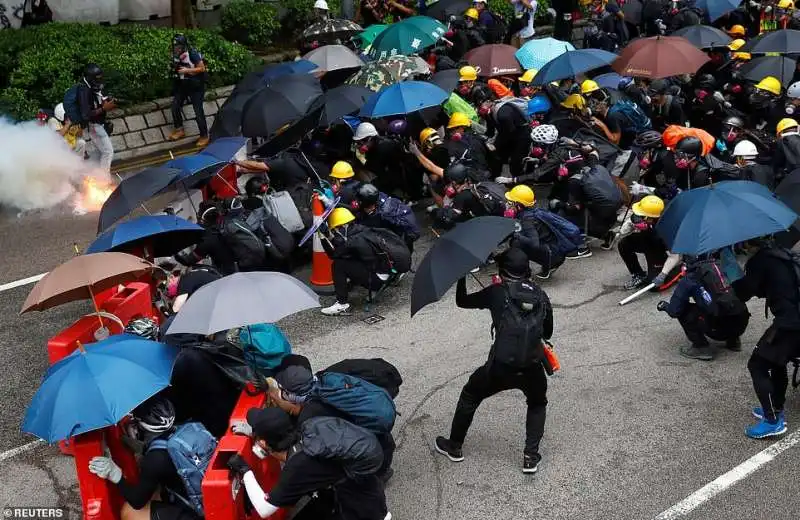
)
(755, 5)
(412, 147)
(718, 97)
(551, 12)
(567, 17)
(325, 200)
(504, 180)
(242, 428)
(768, 9)
(105, 468)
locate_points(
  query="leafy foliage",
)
(252, 24)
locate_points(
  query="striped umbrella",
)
(536, 53)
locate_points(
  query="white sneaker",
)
(388, 516)
(336, 309)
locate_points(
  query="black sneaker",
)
(608, 243)
(583, 252)
(449, 449)
(530, 464)
(701, 353)
(637, 281)
(386, 475)
(734, 345)
(545, 275)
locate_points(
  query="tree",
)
(182, 14)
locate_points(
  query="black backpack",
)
(724, 301)
(390, 250)
(247, 249)
(278, 242)
(377, 371)
(355, 448)
(492, 197)
(518, 333)
(497, 32)
(793, 258)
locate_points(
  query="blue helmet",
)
(539, 104)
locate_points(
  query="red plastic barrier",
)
(249, 398)
(223, 185)
(133, 301)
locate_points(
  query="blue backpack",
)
(365, 404)
(568, 235)
(72, 109)
(190, 448)
(399, 215)
(264, 346)
(636, 121)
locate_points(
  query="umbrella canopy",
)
(164, 234)
(446, 79)
(284, 102)
(410, 36)
(632, 9)
(377, 74)
(331, 29)
(609, 80)
(196, 168)
(717, 8)
(779, 67)
(242, 299)
(573, 63)
(97, 385)
(493, 60)
(225, 148)
(785, 41)
(704, 36)
(709, 218)
(133, 191)
(659, 57)
(403, 98)
(454, 254)
(343, 101)
(82, 276)
(334, 57)
(442, 10)
(274, 71)
(368, 35)
(788, 192)
(536, 53)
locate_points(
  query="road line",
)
(20, 450)
(20, 283)
(715, 487)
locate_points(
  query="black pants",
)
(492, 378)
(592, 223)
(698, 326)
(646, 243)
(563, 28)
(388, 445)
(195, 94)
(544, 256)
(347, 271)
(361, 499)
(767, 367)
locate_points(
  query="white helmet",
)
(59, 112)
(745, 149)
(547, 134)
(794, 90)
(365, 130)
(321, 4)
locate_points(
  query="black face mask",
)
(758, 100)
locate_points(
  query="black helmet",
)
(480, 94)
(456, 172)
(690, 145)
(706, 81)
(179, 40)
(733, 121)
(367, 195)
(93, 76)
(156, 415)
(659, 86)
(208, 212)
(648, 139)
(514, 263)
(144, 327)
(256, 186)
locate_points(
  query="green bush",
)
(38, 64)
(299, 14)
(505, 8)
(252, 24)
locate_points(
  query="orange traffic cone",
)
(321, 264)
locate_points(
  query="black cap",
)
(273, 425)
(456, 172)
(514, 263)
(296, 379)
(659, 86)
(690, 145)
(367, 195)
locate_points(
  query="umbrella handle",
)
(108, 315)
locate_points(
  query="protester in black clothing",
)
(733, 131)
(787, 149)
(462, 143)
(612, 124)
(563, 22)
(594, 199)
(534, 237)
(286, 170)
(644, 240)
(212, 244)
(665, 108)
(189, 71)
(93, 107)
(464, 205)
(378, 210)
(512, 134)
(766, 106)
(613, 23)
(496, 376)
(689, 160)
(255, 188)
(746, 156)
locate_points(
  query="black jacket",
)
(355, 247)
(787, 154)
(90, 106)
(773, 279)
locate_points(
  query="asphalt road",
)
(632, 429)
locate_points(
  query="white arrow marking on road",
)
(20, 283)
(20, 449)
(715, 487)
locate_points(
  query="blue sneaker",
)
(764, 429)
(758, 413)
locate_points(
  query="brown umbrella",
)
(659, 57)
(494, 60)
(82, 277)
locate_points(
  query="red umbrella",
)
(659, 57)
(494, 60)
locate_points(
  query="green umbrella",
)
(407, 37)
(368, 35)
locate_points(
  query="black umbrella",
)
(444, 9)
(776, 66)
(447, 80)
(343, 101)
(633, 11)
(704, 36)
(454, 254)
(228, 122)
(133, 191)
(788, 192)
(278, 106)
(785, 41)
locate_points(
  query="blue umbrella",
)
(535, 53)
(609, 80)
(164, 234)
(133, 191)
(403, 98)
(225, 148)
(709, 218)
(97, 385)
(572, 63)
(717, 8)
(272, 72)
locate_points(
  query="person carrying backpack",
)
(716, 313)
(320, 453)
(619, 121)
(188, 82)
(378, 210)
(85, 105)
(174, 462)
(522, 318)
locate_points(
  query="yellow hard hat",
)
(588, 86)
(738, 30)
(340, 217)
(472, 13)
(650, 206)
(528, 76)
(736, 44)
(770, 84)
(785, 4)
(426, 134)
(342, 170)
(741, 56)
(574, 101)
(785, 124)
(458, 119)
(521, 194)
(467, 73)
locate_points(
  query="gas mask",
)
(457, 136)
(758, 100)
(172, 286)
(450, 192)
(363, 149)
(534, 123)
(538, 152)
(790, 109)
(730, 133)
(683, 162)
(510, 212)
(736, 88)
(640, 223)
(259, 452)
(644, 162)
(293, 398)
(527, 91)
(563, 171)
(717, 58)
(355, 205)
(336, 188)
(485, 109)
(701, 94)
(464, 88)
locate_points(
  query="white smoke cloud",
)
(38, 170)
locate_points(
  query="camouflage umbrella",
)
(377, 74)
(332, 28)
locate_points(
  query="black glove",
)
(238, 465)
(662, 306)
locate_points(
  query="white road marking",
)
(20, 283)
(717, 486)
(13, 452)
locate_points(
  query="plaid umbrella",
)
(377, 74)
(332, 28)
